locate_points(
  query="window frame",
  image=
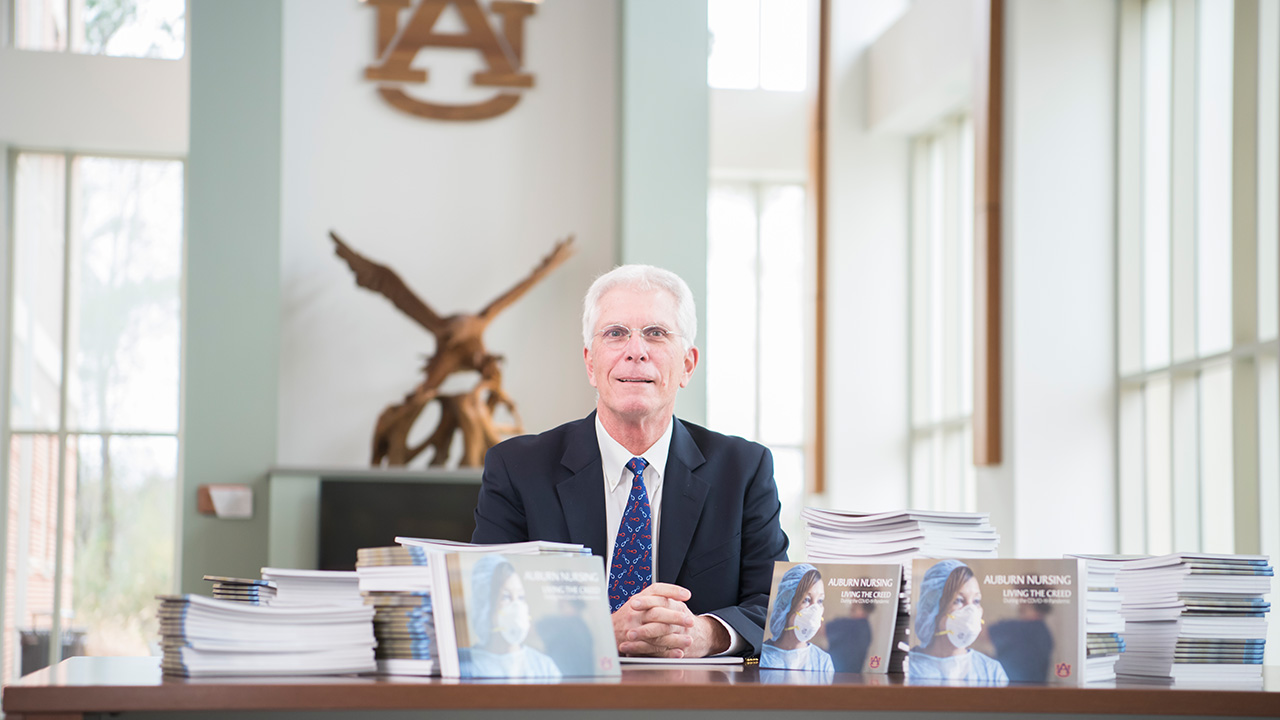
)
(1182, 520)
(942, 191)
(63, 433)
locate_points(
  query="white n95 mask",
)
(807, 623)
(513, 622)
(964, 625)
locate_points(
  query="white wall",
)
(1059, 304)
(921, 69)
(461, 210)
(866, 276)
(760, 134)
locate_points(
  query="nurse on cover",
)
(948, 618)
(500, 623)
(797, 615)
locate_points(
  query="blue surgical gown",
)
(806, 657)
(524, 662)
(971, 666)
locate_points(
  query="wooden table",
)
(88, 685)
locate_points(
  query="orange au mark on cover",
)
(1064, 670)
(875, 662)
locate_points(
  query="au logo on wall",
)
(406, 27)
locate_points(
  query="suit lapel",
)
(683, 495)
(582, 494)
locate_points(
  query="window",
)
(941, 317)
(758, 44)
(91, 432)
(1198, 381)
(119, 28)
(757, 369)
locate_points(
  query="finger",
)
(667, 590)
(662, 634)
(651, 602)
(668, 616)
(649, 650)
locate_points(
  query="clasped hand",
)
(656, 622)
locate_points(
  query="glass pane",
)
(1133, 496)
(922, 287)
(1213, 174)
(784, 44)
(1159, 479)
(735, 44)
(1268, 169)
(1186, 462)
(1217, 484)
(782, 329)
(970, 473)
(1269, 452)
(40, 24)
(732, 282)
(949, 261)
(1156, 115)
(1269, 467)
(953, 469)
(128, 260)
(30, 566)
(129, 28)
(122, 555)
(922, 468)
(39, 218)
(788, 471)
(965, 300)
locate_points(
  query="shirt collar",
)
(615, 457)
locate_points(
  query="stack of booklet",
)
(313, 587)
(1193, 618)
(899, 537)
(396, 582)
(203, 636)
(1104, 622)
(254, 591)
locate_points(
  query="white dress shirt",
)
(617, 491)
(618, 479)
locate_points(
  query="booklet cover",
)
(831, 617)
(525, 616)
(996, 621)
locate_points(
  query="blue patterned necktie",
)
(632, 568)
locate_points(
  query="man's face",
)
(637, 379)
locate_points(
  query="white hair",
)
(643, 278)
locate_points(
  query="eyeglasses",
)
(617, 335)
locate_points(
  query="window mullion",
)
(55, 631)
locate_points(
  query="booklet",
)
(523, 616)
(831, 617)
(995, 621)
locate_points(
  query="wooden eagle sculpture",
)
(459, 348)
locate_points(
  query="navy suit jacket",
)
(719, 534)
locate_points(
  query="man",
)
(686, 519)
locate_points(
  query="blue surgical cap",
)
(784, 596)
(931, 597)
(481, 605)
